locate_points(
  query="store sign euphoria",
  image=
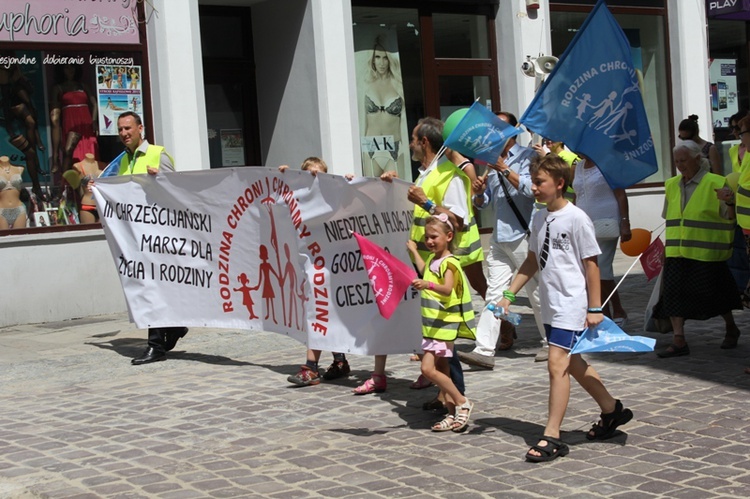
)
(69, 21)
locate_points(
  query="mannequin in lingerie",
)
(12, 209)
(21, 120)
(87, 171)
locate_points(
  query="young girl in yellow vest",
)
(447, 314)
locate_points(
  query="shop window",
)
(59, 129)
(727, 50)
(647, 40)
(387, 51)
(437, 62)
(64, 80)
(461, 36)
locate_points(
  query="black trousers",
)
(457, 373)
(163, 339)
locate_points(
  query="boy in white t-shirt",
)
(563, 249)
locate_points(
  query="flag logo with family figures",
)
(477, 133)
(592, 102)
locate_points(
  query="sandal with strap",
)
(462, 418)
(444, 425)
(375, 384)
(555, 448)
(421, 383)
(608, 423)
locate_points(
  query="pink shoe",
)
(421, 383)
(376, 384)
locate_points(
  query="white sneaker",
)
(542, 355)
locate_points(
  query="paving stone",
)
(75, 423)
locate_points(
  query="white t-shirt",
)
(562, 281)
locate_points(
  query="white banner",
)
(255, 249)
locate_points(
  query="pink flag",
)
(389, 276)
(652, 259)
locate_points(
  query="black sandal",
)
(608, 423)
(555, 448)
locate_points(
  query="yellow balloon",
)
(638, 243)
(733, 179)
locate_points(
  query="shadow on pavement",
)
(131, 347)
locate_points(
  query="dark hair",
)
(432, 128)
(689, 125)
(738, 116)
(510, 116)
(554, 165)
(134, 115)
(60, 72)
(744, 121)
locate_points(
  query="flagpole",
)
(637, 259)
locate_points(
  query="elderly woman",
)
(688, 130)
(699, 210)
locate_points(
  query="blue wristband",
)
(428, 205)
(597, 310)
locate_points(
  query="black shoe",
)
(434, 405)
(674, 351)
(338, 369)
(172, 335)
(150, 355)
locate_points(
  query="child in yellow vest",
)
(447, 314)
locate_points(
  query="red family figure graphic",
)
(247, 298)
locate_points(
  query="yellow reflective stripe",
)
(698, 244)
(440, 324)
(477, 245)
(431, 304)
(708, 225)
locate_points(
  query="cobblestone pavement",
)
(219, 419)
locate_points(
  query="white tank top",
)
(593, 194)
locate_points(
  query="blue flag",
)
(608, 337)
(113, 168)
(480, 134)
(592, 102)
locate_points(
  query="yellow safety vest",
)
(467, 245)
(151, 158)
(699, 232)
(734, 156)
(743, 192)
(445, 318)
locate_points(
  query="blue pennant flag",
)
(592, 102)
(480, 134)
(113, 168)
(608, 337)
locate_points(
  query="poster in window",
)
(118, 90)
(232, 147)
(723, 77)
(384, 138)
